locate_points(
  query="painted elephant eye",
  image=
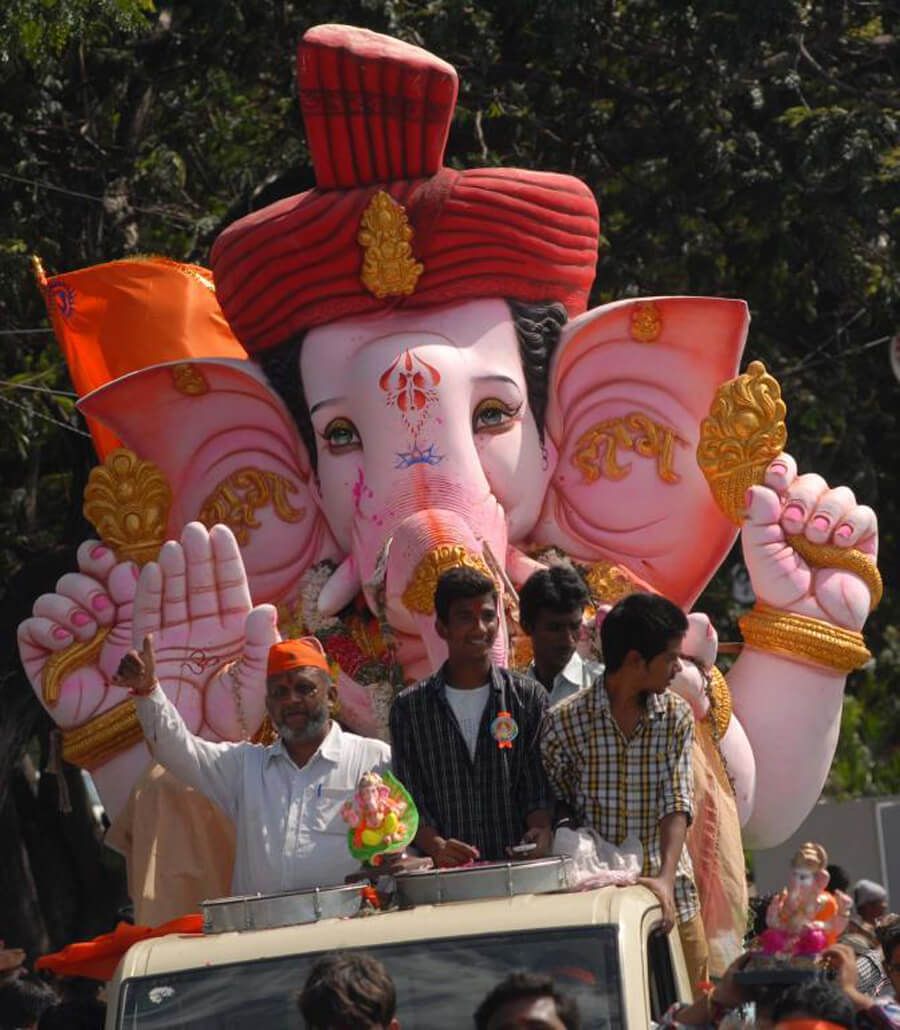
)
(341, 436)
(494, 416)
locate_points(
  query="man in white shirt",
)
(285, 798)
(551, 610)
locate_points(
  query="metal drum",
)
(486, 880)
(264, 911)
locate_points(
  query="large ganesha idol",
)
(425, 389)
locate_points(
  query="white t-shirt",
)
(468, 707)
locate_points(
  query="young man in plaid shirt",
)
(619, 756)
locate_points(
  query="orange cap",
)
(295, 654)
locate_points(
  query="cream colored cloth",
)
(714, 844)
(178, 846)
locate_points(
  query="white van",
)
(603, 946)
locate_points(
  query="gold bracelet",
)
(106, 735)
(798, 636)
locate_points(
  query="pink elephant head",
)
(426, 437)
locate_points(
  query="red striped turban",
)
(387, 225)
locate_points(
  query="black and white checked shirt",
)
(485, 801)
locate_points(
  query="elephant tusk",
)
(499, 572)
(340, 588)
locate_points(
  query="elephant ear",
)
(231, 453)
(629, 386)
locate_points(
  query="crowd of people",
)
(495, 762)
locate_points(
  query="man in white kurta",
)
(285, 798)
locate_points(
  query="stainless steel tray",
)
(487, 880)
(264, 911)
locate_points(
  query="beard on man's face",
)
(311, 729)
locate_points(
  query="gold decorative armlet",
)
(798, 636)
(719, 713)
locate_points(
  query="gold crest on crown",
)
(389, 269)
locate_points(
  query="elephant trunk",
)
(422, 548)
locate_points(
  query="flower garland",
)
(355, 641)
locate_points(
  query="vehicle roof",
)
(177, 952)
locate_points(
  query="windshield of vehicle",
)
(439, 983)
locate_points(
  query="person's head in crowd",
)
(349, 991)
(814, 999)
(641, 638)
(300, 691)
(838, 880)
(551, 611)
(889, 938)
(870, 900)
(527, 1001)
(465, 608)
(23, 999)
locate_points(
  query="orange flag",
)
(119, 317)
(97, 959)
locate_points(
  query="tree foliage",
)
(747, 149)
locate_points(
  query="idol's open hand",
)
(787, 505)
(211, 646)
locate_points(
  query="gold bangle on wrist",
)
(801, 637)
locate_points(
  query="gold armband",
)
(798, 636)
(719, 713)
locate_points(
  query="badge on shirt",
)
(504, 729)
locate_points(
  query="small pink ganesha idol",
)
(804, 918)
(375, 814)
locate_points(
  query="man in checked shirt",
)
(618, 756)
